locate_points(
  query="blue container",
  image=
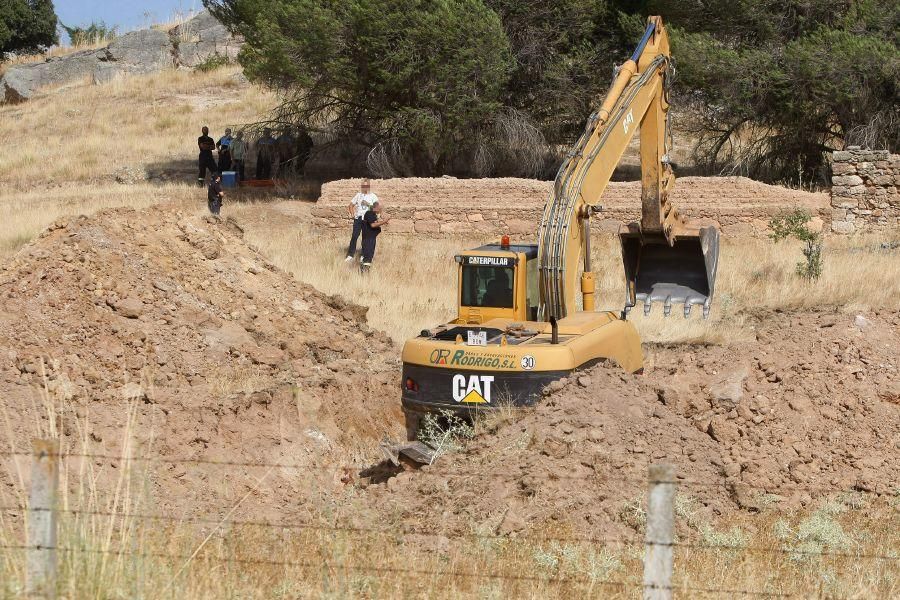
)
(229, 179)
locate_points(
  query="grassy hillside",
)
(84, 133)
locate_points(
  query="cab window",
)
(533, 289)
(487, 286)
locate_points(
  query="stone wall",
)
(864, 192)
(491, 207)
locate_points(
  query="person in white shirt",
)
(357, 209)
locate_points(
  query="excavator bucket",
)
(684, 273)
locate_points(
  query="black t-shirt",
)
(370, 217)
(206, 144)
(215, 189)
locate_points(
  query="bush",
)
(445, 432)
(794, 225)
(91, 35)
(212, 62)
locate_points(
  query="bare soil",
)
(808, 409)
(168, 325)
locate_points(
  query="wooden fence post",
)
(658, 553)
(40, 570)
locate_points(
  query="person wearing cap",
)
(224, 148)
(206, 160)
(357, 209)
(215, 194)
(373, 221)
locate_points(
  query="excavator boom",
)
(666, 257)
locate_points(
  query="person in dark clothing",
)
(357, 209)
(373, 221)
(206, 160)
(224, 148)
(265, 154)
(284, 152)
(215, 195)
(303, 151)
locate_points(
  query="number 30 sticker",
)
(528, 362)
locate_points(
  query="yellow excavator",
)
(518, 326)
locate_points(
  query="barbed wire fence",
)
(42, 513)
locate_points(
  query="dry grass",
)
(85, 133)
(413, 283)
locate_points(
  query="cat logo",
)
(629, 119)
(474, 389)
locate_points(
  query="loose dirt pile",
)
(810, 408)
(739, 205)
(167, 332)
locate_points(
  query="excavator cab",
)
(498, 281)
(682, 273)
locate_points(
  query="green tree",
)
(776, 84)
(415, 83)
(26, 26)
(564, 52)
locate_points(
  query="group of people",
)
(287, 152)
(365, 209)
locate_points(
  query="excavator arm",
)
(666, 257)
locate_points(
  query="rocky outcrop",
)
(195, 41)
(139, 52)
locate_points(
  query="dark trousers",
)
(239, 168)
(368, 248)
(214, 206)
(357, 230)
(206, 161)
(224, 163)
(263, 167)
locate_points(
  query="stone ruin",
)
(864, 190)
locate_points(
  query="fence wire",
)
(405, 571)
(403, 531)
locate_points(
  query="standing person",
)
(265, 153)
(238, 151)
(206, 161)
(224, 147)
(215, 195)
(284, 147)
(373, 221)
(357, 209)
(303, 151)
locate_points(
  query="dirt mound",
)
(812, 406)
(165, 331)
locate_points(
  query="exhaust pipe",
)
(554, 331)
